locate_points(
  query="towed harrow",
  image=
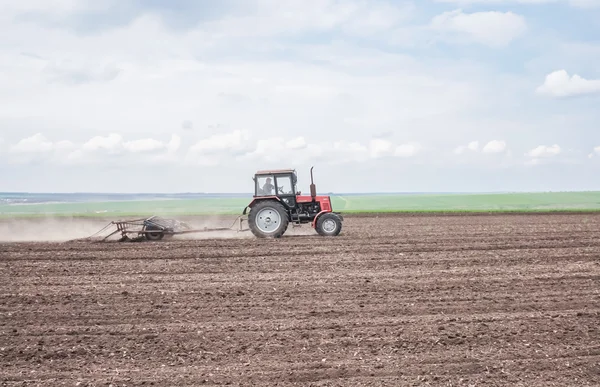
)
(154, 228)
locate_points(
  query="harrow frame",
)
(155, 228)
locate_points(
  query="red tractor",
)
(277, 203)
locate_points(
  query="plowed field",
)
(488, 300)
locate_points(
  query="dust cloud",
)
(214, 221)
(48, 229)
(64, 229)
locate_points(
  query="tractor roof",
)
(274, 171)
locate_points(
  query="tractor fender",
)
(255, 200)
(314, 222)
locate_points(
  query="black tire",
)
(329, 224)
(268, 219)
(154, 235)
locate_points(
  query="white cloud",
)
(274, 83)
(349, 151)
(174, 144)
(407, 150)
(39, 144)
(585, 3)
(58, 6)
(355, 151)
(236, 145)
(80, 73)
(272, 150)
(167, 77)
(242, 146)
(97, 150)
(472, 146)
(236, 140)
(34, 144)
(296, 143)
(574, 3)
(168, 153)
(544, 151)
(554, 155)
(51, 8)
(111, 143)
(494, 146)
(492, 28)
(379, 148)
(560, 84)
(144, 145)
(292, 17)
(38, 148)
(219, 148)
(279, 150)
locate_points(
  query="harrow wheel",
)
(268, 219)
(329, 224)
(153, 233)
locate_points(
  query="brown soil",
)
(393, 301)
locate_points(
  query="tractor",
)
(276, 203)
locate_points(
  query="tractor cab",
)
(280, 182)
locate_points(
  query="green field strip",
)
(351, 204)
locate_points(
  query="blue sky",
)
(378, 95)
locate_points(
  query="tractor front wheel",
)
(329, 224)
(268, 219)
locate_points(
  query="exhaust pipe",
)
(313, 188)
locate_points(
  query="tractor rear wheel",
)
(268, 219)
(329, 224)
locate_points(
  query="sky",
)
(377, 95)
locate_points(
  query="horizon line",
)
(308, 193)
